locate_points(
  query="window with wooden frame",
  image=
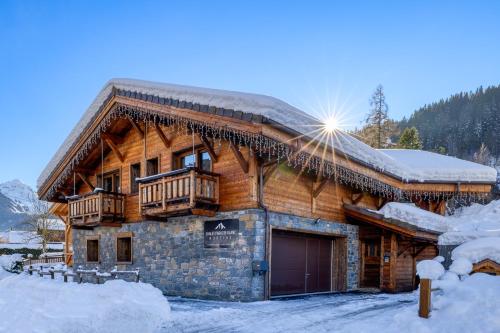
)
(201, 159)
(152, 166)
(124, 248)
(135, 172)
(93, 250)
(110, 181)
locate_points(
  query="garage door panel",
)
(301, 263)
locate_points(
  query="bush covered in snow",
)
(31, 303)
(11, 263)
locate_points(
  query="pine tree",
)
(377, 115)
(410, 139)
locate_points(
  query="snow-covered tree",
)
(482, 156)
(40, 222)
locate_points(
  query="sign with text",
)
(221, 233)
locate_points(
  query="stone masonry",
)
(171, 255)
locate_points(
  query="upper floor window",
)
(200, 159)
(110, 181)
(135, 172)
(152, 166)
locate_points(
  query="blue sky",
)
(56, 55)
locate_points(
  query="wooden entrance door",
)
(300, 263)
(370, 263)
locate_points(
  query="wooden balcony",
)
(180, 192)
(96, 208)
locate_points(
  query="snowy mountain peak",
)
(21, 195)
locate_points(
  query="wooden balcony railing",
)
(180, 192)
(95, 208)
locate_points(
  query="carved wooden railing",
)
(178, 190)
(98, 206)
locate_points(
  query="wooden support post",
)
(241, 160)
(110, 141)
(137, 128)
(65, 278)
(208, 147)
(424, 305)
(30, 270)
(162, 136)
(86, 180)
(320, 187)
(52, 275)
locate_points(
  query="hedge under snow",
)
(29, 304)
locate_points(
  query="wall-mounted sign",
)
(387, 257)
(221, 233)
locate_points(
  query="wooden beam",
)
(241, 160)
(269, 172)
(137, 128)
(85, 171)
(86, 180)
(208, 147)
(115, 138)
(162, 136)
(320, 187)
(421, 249)
(381, 202)
(356, 198)
(109, 141)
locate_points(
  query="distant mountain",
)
(16, 203)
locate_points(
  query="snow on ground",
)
(462, 306)
(34, 304)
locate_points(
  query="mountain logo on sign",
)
(220, 226)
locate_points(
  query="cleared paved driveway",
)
(322, 313)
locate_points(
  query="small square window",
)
(187, 161)
(124, 249)
(92, 250)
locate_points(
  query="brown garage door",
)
(301, 263)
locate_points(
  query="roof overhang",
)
(398, 226)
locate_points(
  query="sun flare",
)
(331, 124)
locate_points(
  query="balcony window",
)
(110, 181)
(135, 172)
(200, 158)
(152, 166)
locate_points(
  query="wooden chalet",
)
(150, 166)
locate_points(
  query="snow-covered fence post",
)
(425, 298)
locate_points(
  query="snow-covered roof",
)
(269, 108)
(413, 215)
(432, 166)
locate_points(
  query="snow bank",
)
(413, 215)
(475, 221)
(461, 266)
(478, 250)
(29, 302)
(430, 269)
(9, 264)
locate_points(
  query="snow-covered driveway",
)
(351, 312)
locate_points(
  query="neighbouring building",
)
(234, 196)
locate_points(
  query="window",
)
(111, 181)
(372, 248)
(135, 172)
(200, 159)
(205, 161)
(124, 248)
(152, 166)
(92, 250)
(187, 161)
